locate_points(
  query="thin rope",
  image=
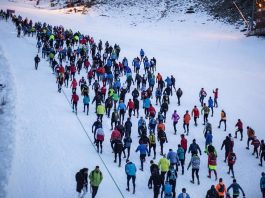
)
(81, 124)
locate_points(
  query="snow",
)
(47, 145)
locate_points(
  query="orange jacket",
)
(250, 132)
(158, 77)
(186, 118)
(160, 127)
(223, 115)
(218, 188)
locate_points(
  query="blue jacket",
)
(152, 81)
(182, 196)
(142, 148)
(109, 63)
(158, 93)
(140, 122)
(146, 64)
(141, 52)
(117, 84)
(86, 100)
(121, 106)
(152, 122)
(210, 103)
(168, 81)
(130, 169)
(146, 103)
(180, 153)
(209, 138)
(173, 157)
(168, 190)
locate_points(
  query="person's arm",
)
(229, 188)
(189, 165)
(199, 149)
(241, 190)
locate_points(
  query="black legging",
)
(205, 118)
(154, 149)
(241, 133)
(262, 157)
(174, 125)
(99, 144)
(128, 151)
(129, 177)
(94, 191)
(119, 153)
(231, 168)
(195, 171)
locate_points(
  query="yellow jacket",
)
(164, 164)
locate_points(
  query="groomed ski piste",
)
(44, 143)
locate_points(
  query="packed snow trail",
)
(183, 181)
(48, 141)
(81, 124)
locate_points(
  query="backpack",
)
(152, 139)
(172, 175)
(222, 188)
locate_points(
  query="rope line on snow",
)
(81, 124)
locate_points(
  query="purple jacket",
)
(175, 117)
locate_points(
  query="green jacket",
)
(115, 97)
(95, 178)
(100, 110)
(206, 110)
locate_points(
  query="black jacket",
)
(81, 179)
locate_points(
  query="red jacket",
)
(90, 74)
(86, 64)
(130, 105)
(61, 69)
(231, 158)
(73, 69)
(212, 159)
(239, 125)
(75, 98)
(103, 90)
(115, 135)
(195, 112)
(152, 110)
(74, 84)
(184, 143)
(215, 93)
(255, 143)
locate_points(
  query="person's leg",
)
(133, 181)
(100, 146)
(94, 191)
(182, 166)
(232, 169)
(174, 125)
(161, 145)
(197, 175)
(184, 127)
(192, 174)
(128, 182)
(115, 156)
(120, 158)
(128, 152)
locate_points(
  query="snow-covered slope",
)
(50, 145)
